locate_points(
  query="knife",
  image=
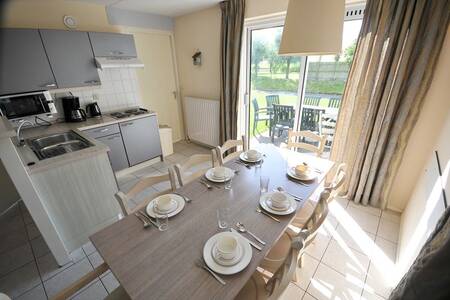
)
(250, 242)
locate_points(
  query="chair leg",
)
(300, 261)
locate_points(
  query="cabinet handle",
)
(126, 124)
(116, 52)
(49, 85)
(92, 81)
(102, 130)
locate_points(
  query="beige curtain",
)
(396, 53)
(231, 42)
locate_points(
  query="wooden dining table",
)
(150, 264)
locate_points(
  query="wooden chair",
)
(308, 231)
(118, 294)
(192, 168)
(222, 155)
(257, 289)
(296, 140)
(338, 180)
(140, 186)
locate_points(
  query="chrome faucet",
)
(19, 139)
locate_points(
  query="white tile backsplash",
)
(119, 89)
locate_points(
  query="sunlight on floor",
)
(379, 259)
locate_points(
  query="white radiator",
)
(202, 120)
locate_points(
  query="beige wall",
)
(199, 31)
(426, 131)
(92, 17)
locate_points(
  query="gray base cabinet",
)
(141, 139)
(117, 154)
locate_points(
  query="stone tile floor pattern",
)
(351, 257)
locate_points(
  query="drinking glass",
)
(264, 184)
(163, 222)
(228, 184)
(223, 217)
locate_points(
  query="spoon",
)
(242, 229)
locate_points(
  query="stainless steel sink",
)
(57, 144)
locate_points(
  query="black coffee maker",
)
(72, 110)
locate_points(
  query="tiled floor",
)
(349, 259)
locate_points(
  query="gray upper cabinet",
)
(107, 44)
(71, 58)
(24, 66)
(141, 139)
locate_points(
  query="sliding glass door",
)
(299, 93)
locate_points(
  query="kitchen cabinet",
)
(107, 44)
(71, 58)
(24, 63)
(110, 136)
(117, 154)
(141, 139)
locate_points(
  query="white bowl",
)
(219, 172)
(164, 203)
(279, 200)
(301, 169)
(227, 247)
(252, 154)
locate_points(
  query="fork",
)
(201, 264)
(147, 217)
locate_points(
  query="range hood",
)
(118, 62)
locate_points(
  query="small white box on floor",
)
(165, 133)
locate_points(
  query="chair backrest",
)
(193, 168)
(312, 100)
(140, 186)
(221, 151)
(338, 181)
(278, 283)
(335, 101)
(311, 119)
(283, 114)
(255, 104)
(317, 217)
(271, 100)
(296, 139)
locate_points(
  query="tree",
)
(259, 53)
(349, 52)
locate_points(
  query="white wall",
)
(426, 203)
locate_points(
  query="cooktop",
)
(128, 113)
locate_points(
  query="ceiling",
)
(170, 8)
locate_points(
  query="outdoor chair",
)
(312, 100)
(270, 101)
(311, 119)
(261, 114)
(282, 120)
(335, 101)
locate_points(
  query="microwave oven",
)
(26, 105)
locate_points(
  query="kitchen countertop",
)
(28, 156)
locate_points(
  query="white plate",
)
(227, 270)
(292, 207)
(228, 175)
(305, 177)
(227, 262)
(180, 206)
(243, 156)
